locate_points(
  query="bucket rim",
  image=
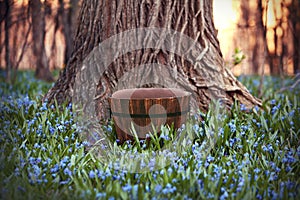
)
(179, 93)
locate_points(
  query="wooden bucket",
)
(145, 108)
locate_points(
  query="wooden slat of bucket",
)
(176, 109)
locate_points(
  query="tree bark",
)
(99, 20)
(8, 5)
(67, 13)
(38, 35)
(294, 9)
(261, 40)
(252, 37)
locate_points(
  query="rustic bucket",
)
(145, 108)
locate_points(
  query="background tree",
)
(98, 20)
(38, 34)
(251, 34)
(260, 52)
(7, 21)
(17, 29)
(294, 9)
(69, 24)
(65, 21)
(265, 31)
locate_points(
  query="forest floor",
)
(254, 153)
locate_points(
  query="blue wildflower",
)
(158, 188)
(65, 182)
(259, 197)
(127, 188)
(66, 140)
(86, 143)
(67, 171)
(224, 195)
(275, 108)
(256, 170)
(170, 170)
(221, 131)
(232, 126)
(54, 169)
(232, 141)
(273, 102)
(36, 146)
(267, 172)
(243, 107)
(109, 129)
(273, 176)
(100, 195)
(43, 107)
(92, 174)
(196, 128)
(292, 113)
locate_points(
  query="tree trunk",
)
(294, 10)
(67, 13)
(38, 35)
(259, 50)
(196, 66)
(8, 5)
(251, 37)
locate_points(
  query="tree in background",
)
(265, 31)
(37, 11)
(101, 19)
(17, 28)
(251, 33)
(69, 22)
(260, 46)
(65, 21)
(6, 17)
(18, 40)
(294, 9)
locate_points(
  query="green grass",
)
(253, 154)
